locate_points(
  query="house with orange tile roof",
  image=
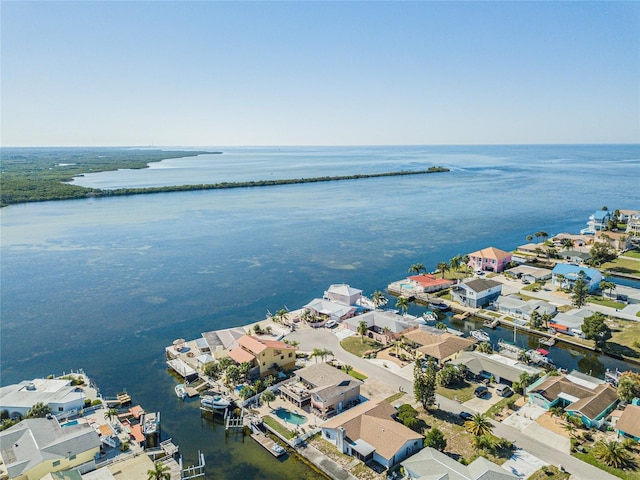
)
(490, 259)
(369, 432)
(265, 356)
(442, 346)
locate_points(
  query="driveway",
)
(523, 464)
(481, 405)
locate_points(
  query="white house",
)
(58, 394)
(517, 307)
(477, 293)
(343, 293)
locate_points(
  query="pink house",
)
(489, 259)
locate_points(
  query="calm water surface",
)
(105, 284)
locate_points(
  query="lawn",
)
(549, 473)
(625, 338)
(605, 302)
(275, 425)
(624, 474)
(354, 344)
(357, 375)
(632, 254)
(623, 265)
(462, 392)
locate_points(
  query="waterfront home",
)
(501, 368)
(430, 464)
(425, 283)
(59, 394)
(489, 259)
(324, 388)
(382, 326)
(618, 240)
(343, 293)
(477, 293)
(597, 221)
(564, 275)
(624, 216)
(628, 425)
(577, 257)
(517, 307)
(219, 342)
(329, 310)
(587, 398)
(576, 240)
(369, 432)
(36, 446)
(570, 322)
(529, 273)
(265, 356)
(436, 344)
(633, 224)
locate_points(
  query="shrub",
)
(435, 439)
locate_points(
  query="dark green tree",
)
(435, 439)
(39, 410)
(629, 386)
(424, 384)
(595, 328)
(580, 290)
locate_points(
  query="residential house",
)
(59, 394)
(36, 446)
(575, 256)
(325, 388)
(489, 259)
(517, 307)
(382, 326)
(501, 368)
(530, 274)
(343, 293)
(329, 310)
(430, 464)
(477, 293)
(434, 343)
(587, 398)
(425, 283)
(633, 224)
(629, 423)
(266, 356)
(597, 221)
(369, 432)
(576, 240)
(219, 342)
(564, 275)
(617, 240)
(570, 322)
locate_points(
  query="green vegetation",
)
(622, 264)
(354, 345)
(590, 458)
(277, 427)
(549, 472)
(632, 254)
(36, 174)
(605, 302)
(392, 399)
(357, 375)
(461, 392)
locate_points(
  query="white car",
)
(331, 324)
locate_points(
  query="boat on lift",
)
(480, 335)
(216, 402)
(181, 392)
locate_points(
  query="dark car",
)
(465, 415)
(481, 391)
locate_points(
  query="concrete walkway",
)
(324, 463)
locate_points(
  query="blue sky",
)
(319, 73)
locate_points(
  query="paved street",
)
(322, 338)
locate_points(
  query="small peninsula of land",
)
(36, 175)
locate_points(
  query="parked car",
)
(331, 324)
(481, 391)
(504, 390)
(465, 415)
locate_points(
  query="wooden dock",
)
(462, 316)
(267, 443)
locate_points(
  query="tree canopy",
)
(595, 328)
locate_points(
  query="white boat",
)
(180, 391)
(278, 449)
(480, 335)
(214, 401)
(429, 316)
(539, 356)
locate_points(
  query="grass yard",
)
(394, 398)
(354, 344)
(275, 425)
(625, 338)
(623, 264)
(592, 460)
(605, 302)
(462, 392)
(357, 375)
(632, 254)
(549, 473)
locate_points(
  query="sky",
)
(204, 73)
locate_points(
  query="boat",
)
(480, 335)
(492, 323)
(508, 349)
(439, 306)
(539, 356)
(215, 402)
(430, 316)
(181, 392)
(278, 449)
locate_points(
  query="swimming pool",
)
(406, 286)
(70, 424)
(290, 417)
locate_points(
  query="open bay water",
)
(105, 284)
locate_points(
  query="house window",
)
(264, 363)
(290, 355)
(282, 357)
(56, 463)
(72, 457)
(327, 434)
(61, 409)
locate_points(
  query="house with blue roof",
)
(564, 275)
(597, 222)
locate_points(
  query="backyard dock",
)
(267, 443)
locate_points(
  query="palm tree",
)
(454, 263)
(442, 267)
(570, 428)
(606, 285)
(268, 396)
(529, 238)
(534, 320)
(159, 472)
(281, 315)
(363, 328)
(484, 347)
(441, 326)
(567, 243)
(378, 298)
(482, 442)
(478, 425)
(324, 353)
(561, 279)
(523, 356)
(417, 268)
(524, 381)
(111, 414)
(544, 235)
(611, 452)
(347, 368)
(317, 352)
(403, 304)
(39, 410)
(546, 318)
(246, 392)
(465, 262)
